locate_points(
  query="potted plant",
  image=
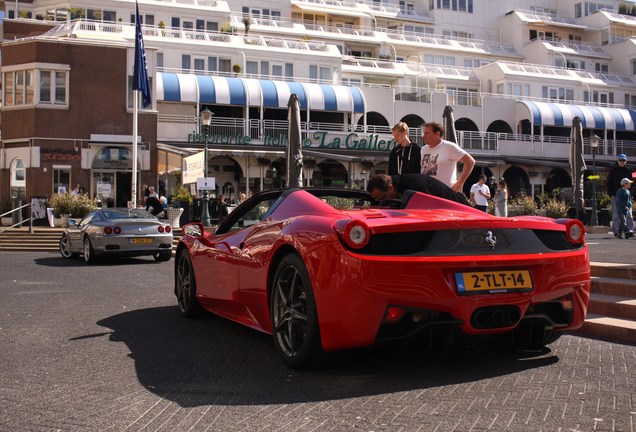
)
(66, 205)
(236, 68)
(247, 22)
(181, 198)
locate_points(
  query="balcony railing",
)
(479, 143)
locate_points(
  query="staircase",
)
(43, 239)
(612, 309)
(611, 314)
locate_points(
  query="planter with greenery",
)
(181, 198)
(76, 206)
(236, 68)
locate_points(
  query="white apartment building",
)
(515, 73)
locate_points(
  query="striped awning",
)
(214, 90)
(592, 117)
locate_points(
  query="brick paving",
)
(82, 352)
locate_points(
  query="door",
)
(123, 189)
(104, 186)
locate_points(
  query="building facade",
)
(516, 73)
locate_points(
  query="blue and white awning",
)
(592, 117)
(172, 87)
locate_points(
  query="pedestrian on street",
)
(440, 157)
(615, 175)
(405, 158)
(624, 208)
(501, 199)
(480, 194)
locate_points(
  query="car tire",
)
(89, 252)
(162, 256)
(65, 248)
(186, 287)
(294, 317)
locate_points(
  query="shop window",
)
(61, 179)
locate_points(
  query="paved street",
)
(103, 347)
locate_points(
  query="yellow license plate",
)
(493, 282)
(140, 240)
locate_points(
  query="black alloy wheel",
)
(186, 286)
(294, 316)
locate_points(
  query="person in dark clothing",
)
(153, 205)
(383, 186)
(405, 158)
(614, 177)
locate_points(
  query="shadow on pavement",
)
(58, 261)
(215, 361)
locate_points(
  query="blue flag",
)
(141, 81)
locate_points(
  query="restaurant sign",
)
(319, 139)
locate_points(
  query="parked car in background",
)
(328, 269)
(117, 232)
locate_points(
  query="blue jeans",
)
(629, 220)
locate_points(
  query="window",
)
(131, 95)
(578, 12)
(277, 71)
(18, 178)
(111, 16)
(630, 100)
(558, 94)
(517, 89)
(199, 65)
(213, 64)
(20, 87)
(264, 67)
(319, 73)
(633, 66)
(456, 5)
(61, 179)
(602, 67)
(289, 70)
(212, 26)
(159, 60)
(251, 67)
(186, 63)
(225, 65)
(176, 22)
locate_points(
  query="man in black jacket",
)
(405, 158)
(614, 177)
(383, 187)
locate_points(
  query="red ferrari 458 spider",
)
(325, 270)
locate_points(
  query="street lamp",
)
(206, 120)
(594, 145)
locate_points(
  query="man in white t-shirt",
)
(440, 157)
(480, 194)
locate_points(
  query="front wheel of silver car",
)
(186, 287)
(65, 248)
(89, 253)
(294, 316)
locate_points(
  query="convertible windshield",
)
(127, 214)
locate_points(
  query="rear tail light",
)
(108, 230)
(567, 302)
(168, 228)
(117, 230)
(393, 314)
(160, 229)
(356, 234)
(574, 231)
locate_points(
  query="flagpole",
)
(133, 191)
(141, 84)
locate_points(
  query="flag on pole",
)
(141, 81)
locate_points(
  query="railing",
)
(20, 221)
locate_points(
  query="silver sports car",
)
(117, 231)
